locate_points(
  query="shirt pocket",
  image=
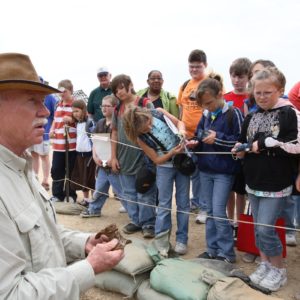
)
(35, 236)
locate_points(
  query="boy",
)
(127, 159)
(239, 74)
(105, 177)
(190, 114)
(63, 118)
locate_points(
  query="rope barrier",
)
(183, 212)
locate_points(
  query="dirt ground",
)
(196, 245)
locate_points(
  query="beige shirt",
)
(34, 250)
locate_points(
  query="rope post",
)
(67, 181)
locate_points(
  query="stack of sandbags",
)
(132, 270)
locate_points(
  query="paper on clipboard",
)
(101, 143)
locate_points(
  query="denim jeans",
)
(104, 179)
(165, 178)
(215, 190)
(196, 200)
(288, 214)
(139, 214)
(297, 210)
(267, 211)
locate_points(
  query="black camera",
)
(202, 134)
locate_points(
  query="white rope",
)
(180, 211)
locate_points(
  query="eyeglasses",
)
(155, 78)
(105, 106)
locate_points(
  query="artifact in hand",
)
(112, 232)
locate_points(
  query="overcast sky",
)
(72, 39)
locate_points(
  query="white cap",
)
(102, 70)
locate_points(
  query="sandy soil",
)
(196, 246)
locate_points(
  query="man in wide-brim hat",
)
(34, 251)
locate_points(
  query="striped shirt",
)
(59, 142)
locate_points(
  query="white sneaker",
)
(201, 218)
(259, 274)
(290, 239)
(275, 279)
(180, 248)
(122, 209)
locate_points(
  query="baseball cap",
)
(102, 70)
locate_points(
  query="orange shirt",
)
(191, 112)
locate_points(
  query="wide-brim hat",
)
(17, 72)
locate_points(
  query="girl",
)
(221, 125)
(84, 169)
(149, 129)
(269, 170)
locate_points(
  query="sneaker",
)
(227, 260)
(249, 258)
(201, 218)
(88, 214)
(148, 233)
(290, 239)
(83, 202)
(122, 210)
(275, 279)
(180, 248)
(206, 255)
(131, 228)
(261, 272)
(55, 199)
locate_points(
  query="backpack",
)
(185, 84)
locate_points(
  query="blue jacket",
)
(227, 124)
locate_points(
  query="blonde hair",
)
(113, 100)
(272, 73)
(133, 119)
(67, 84)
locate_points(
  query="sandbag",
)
(229, 288)
(68, 208)
(145, 292)
(181, 279)
(114, 281)
(136, 259)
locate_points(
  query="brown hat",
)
(17, 72)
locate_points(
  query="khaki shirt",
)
(34, 250)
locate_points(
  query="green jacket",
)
(168, 100)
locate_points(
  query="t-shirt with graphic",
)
(191, 112)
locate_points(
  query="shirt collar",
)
(14, 161)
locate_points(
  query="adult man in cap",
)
(34, 250)
(96, 96)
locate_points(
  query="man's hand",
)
(103, 258)
(92, 242)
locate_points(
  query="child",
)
(250, 104)
(61, 143)
(84, 169)
(104, 175)
(127, 160)
(239, 75)
(190, 114)
(221, 124)
(150, 131)
(269, 170)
